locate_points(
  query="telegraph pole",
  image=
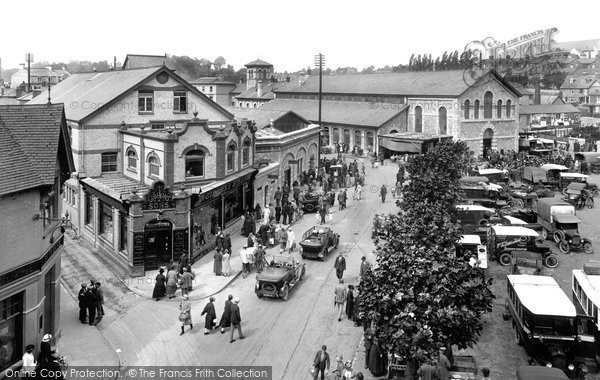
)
(320, 61)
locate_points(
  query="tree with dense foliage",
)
(420, 296)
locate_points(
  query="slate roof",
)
(252, 93)
(585, 81)
(337, 112)
(239, 88)
(258, 62)
(137, 61)
(262, 117)
(87, 93)
(579, 45)
(536, 109)
(29, 142)
(431, 83)
(211, 80)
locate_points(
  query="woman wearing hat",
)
(185, 315)
(29, 362)
(211, 316)
(47, 358)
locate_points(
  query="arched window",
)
(336, 135)
(443, 120)
(370, 140)
(467, 108)
(131, 158)
(153, 165)
(246, 153)
(230, 157)
(109, 162)
(254, 105)
(357, 138)
(487, 105)
(476, 109)
(194, 163)
(499, 109)
(247, 105)
(418, 119)
(508, 108)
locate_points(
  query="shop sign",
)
(158, 198)
(209, 195)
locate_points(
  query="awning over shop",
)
(244, 175)
(113, 189)
(410, 142)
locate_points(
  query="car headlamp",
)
(571, 367)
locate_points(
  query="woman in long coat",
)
(219, 240)
(171, 283)
(211, 316)
(226, 264)
(225, 317)
(218, 264)
(377, 358)
(185, 314)
(350, 302)
(159, 285)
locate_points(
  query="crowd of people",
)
(91, 301)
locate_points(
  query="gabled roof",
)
(334, 112)
(29, 142)
(88, 93)
(137, 61)
(262, 117)
(258, 62)
(580, 82)
(239, 88)
(539, 109)
(450, 83)
(252, 93)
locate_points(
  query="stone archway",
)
(301, 156)
(488, 137)
(287, 170)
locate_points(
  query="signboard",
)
(530, 44)
(158, 198)
(180, 243)
(138, 254)
(209, 195)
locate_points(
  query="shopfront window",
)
(370, 140)
(105, 221)
(89, 209)
(234, 205)
(11, 330)
(206, 220)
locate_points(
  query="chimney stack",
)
(537, 97)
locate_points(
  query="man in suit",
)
(236, 320)
(321, 363)
(227, 242)
(364, 264)
(99, 303)
(340, 267)
(82, 303)
(226, 317)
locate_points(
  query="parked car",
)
(485, 194)
(475, 219)
(497, 176)
(547, 174)
(317, 242)
(591, 158)
(470, 245)
(540, 373)
(509, 220)
(276, 280)
(577, 195)
(502, 241)
(311, 202)
(559, 221)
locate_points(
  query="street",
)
(284, 335)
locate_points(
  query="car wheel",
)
(285, 292)
(518, 203)
(564, 247)
(545, 234)
(589, 202)
(596, 193)
(324, 253)
(587, 247)
(302, 274)
(559, 362)
(551, 261)
(259, 295)
(309, 207)
(558, 236)
(505, 259)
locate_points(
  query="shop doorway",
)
(49, 294)
(288, 177)
(488, 136)
(265, 204)
(158, 243)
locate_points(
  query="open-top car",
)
(276, 280)
(311, 202)
(317, 242)
(502, 241)
(497, 176)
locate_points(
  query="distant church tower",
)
(258, 72)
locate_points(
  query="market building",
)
(478, 108)
(286, 143)
(156, 159)
(36, 160)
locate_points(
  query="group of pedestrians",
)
(182, 278)
(91, 303)
(230, 318)
(48, 361)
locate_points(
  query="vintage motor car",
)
(523, 196)
(559, 222)
(469, 246)
(509, 220)
(276, 280)
(548, 174)
(475, 219)
(577, 195)
(482, 193)
(502, 241)
(592, 159)
(567, 178)
(546, 322)
(311, 202)
(317, 242)
(540, 373)
(497, 176)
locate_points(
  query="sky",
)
(286, 34)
